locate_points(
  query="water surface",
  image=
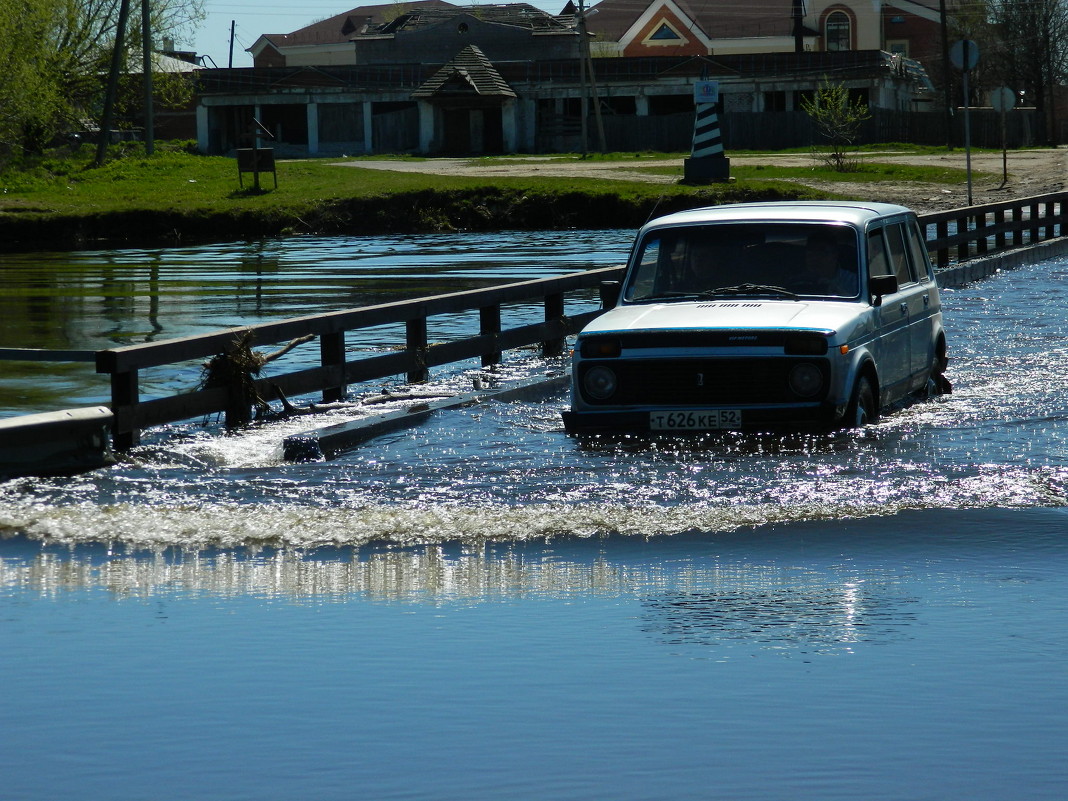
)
(482, 608)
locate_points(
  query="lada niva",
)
(763, 316)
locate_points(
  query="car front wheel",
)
(862, 406)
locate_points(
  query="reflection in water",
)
(799, 615)
(431, 574)
(691, 600)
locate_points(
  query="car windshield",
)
(786, 260)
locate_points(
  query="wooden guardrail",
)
(965, 233)
(959, 235)
(335, 372)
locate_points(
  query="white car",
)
(763, 316)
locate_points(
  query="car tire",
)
(937, 383)
(862, 406)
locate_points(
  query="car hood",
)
(729, 314)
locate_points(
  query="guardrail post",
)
(941, 232)
(124, 399)
(416, 345)
(554, 310)
(1017, 227)
(1035, 214)
(332, 354)
(981, 245)
(1051, 220)
(489, 322)
(962, 230)
(999, 222)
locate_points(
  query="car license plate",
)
(695, 420)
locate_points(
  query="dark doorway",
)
(472, 131)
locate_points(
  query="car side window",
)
(877, 262)
(899, 257)
(918, 249)
(643, 283)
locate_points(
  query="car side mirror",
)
(879, 285)
(609, 294)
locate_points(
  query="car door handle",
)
(926, 301)
(904, 307)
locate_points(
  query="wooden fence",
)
(958, 235)
(778, 130)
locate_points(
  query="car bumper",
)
(779, 418)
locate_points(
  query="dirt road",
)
(1029, 172)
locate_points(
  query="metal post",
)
(967, 121)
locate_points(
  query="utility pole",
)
(587, 58)
(947, 76)
(230, 65)
(113, 84)
(146, 61)
(584, 97)
(798, 14)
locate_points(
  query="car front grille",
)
(704, 382)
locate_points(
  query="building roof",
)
(521, 15)
(609, 20)
(389, 18)
(808, 66)
(161, 62)
(342, 27)
(469, 73)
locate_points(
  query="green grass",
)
(61, 199)
(173, 180)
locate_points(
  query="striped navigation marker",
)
(706, 139)
(706, 162)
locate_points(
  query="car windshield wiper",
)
(748, 289)
(669, 295)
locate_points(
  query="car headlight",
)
(600, 382)
(806, 380)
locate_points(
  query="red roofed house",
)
(731, 27)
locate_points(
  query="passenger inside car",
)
(826, 271)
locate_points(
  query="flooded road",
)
(482, 607)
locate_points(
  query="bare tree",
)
(1032, 51)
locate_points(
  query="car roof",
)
(857, 213)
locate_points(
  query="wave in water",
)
(593, 512)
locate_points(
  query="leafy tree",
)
(837, 120)
(53, 54)
(30, 98)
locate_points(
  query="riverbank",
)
(175, 197)
(477, 208)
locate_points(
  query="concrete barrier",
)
(979, 268)
(55, 443)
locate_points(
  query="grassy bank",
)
(176, 196)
